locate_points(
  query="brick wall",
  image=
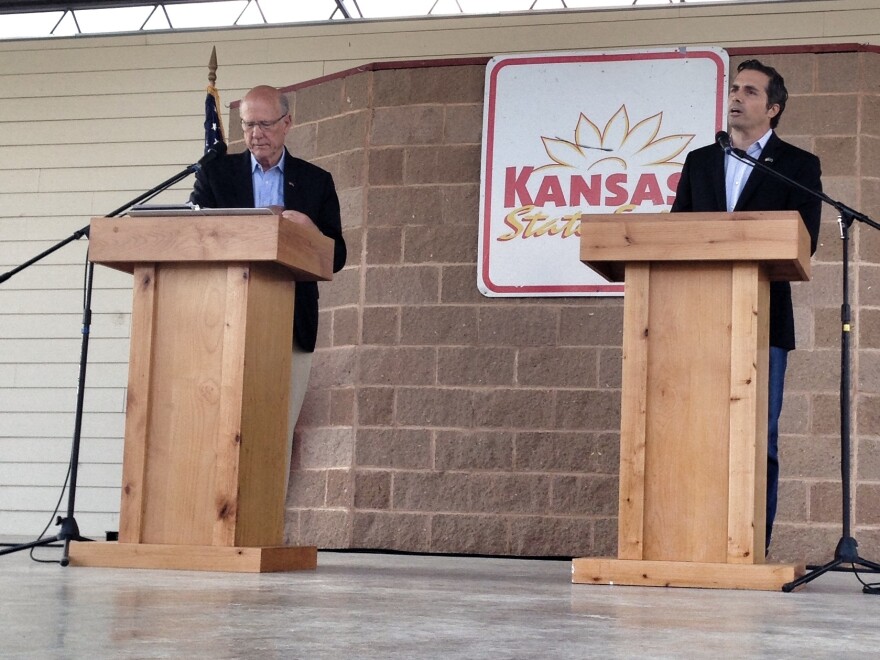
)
(441, 421)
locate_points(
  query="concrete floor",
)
(359, 605)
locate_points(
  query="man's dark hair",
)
(776, 92)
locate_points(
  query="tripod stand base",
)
(761, 577)
(195, 558)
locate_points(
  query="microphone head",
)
(723, 140)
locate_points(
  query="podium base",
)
(761, 577)
(194, 558)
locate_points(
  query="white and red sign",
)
(574, 134)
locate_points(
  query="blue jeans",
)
(778, 362)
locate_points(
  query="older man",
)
(268, 175)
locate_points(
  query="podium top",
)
(776, 239)
(123, 243)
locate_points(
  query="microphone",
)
(723, 140)
(215, 151)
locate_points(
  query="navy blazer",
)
(227, 183)
(702, 188)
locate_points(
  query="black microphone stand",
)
(69, 529)
(846, 551)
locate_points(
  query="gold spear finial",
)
(212, 67)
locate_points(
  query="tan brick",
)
(473, 450)
(447, 84)
(307, 488)
(446, 244)
(397, 365)
(302, 141)
(351, 207)
(356, 91)
(513, 409)
(459, 285)
(460, 203)
(402, 285)
(372, 489)
(838, 72)
(589, 410)
(442, 164)
(610, 367)
(384, 245)
(349, 170)
(343, 291)
(318, 101)
(557, 367)
(391, 531)
(826, 327)
(870, 75)
(430, 406)
(464, 365)
(797, 542)
(604, 537)
(469, 534)
(565, 452)
(430, 491)
(584, 495)
(825, 502)
(333, 368)
(422, 124)
(867, 504)
(868, 465)
(440, 325)
(811, 458)
(340, 488)
(386, 166)
(592, 324)
(869, 371)
(838, 156)
(829, 114)
(381, 325)
(375, 406)
(817, 370)
(792, 501)
(315, 410)
(869, 108)
(463, 124)
(342, 408)
(546, 536)
(345, 133)
(869, 156)
(403, 205)
(512, 324)
(394, 448)
(795, 418)
(868, 414)
(346, 326)
(508, 493)
(325, 528)
(869, 285)
(325, 448)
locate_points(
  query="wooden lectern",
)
(206, 420)
(693, 438)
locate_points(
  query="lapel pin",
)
(290, 183)
(768, 160)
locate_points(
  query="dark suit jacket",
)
(227, 183)
(702, 188)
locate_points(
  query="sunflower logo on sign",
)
(618, 146)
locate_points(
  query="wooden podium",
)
(693, 438)
(206, 420)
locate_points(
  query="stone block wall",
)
(438, 420)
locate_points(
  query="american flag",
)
(213, 122)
